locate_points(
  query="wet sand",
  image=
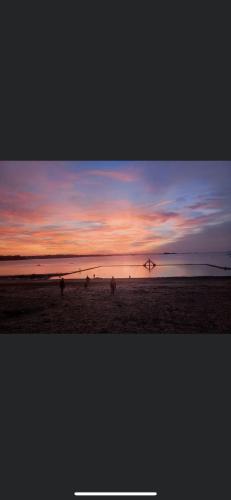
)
(150, 306)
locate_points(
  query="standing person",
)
(87, 281)
(113, 285)
(62, 286)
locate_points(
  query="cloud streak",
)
(113, 207)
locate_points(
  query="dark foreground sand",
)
(164, 305)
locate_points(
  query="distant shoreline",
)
(29, 257)
(71, 256)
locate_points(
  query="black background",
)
(115, 413)
(122, 413)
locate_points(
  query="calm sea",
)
(124, 265)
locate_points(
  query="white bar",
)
(116, 494)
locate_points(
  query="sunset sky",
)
(114, 207)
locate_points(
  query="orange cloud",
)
(118, 227)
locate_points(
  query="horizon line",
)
(110, 254)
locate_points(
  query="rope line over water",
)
(149, 265)
(224, 268)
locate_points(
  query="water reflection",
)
(123, 266)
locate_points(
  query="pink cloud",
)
(207, 205)
(200, 221)
(119, 175)
(159, 216)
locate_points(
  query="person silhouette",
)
(113, 285)
(87, 281)
(62, 286)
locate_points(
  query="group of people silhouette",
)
(86, 284)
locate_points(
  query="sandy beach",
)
(149, 306)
